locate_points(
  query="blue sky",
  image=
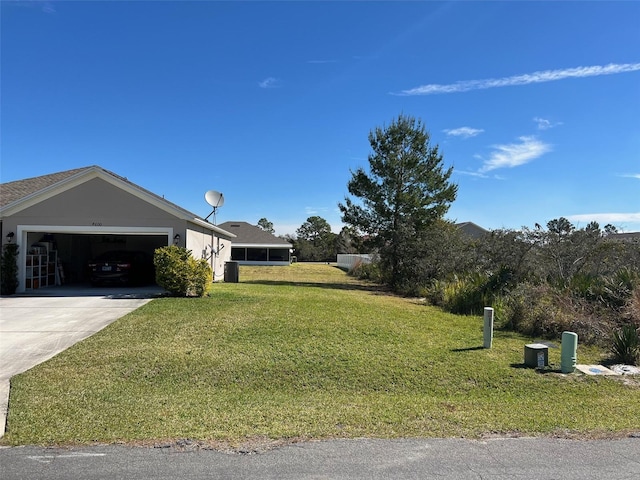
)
(536, 105)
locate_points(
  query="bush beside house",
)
(179, 273)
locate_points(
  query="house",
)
(63, 220)
(254, 246)
(472, 230)
(626, 237)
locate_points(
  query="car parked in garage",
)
(122, 267)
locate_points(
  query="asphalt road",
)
(526, 458)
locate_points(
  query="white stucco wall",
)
(204, 244)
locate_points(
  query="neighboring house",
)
(62, 220)
(254, 246)
(472, 230)
(625, 237)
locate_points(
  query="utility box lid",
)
(536, 355)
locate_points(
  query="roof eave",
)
(210, 226)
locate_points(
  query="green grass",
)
(305, 352)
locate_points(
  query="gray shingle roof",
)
(628, 236)
(13, 191)
(250, 234)
(18, 190)
(472, 230)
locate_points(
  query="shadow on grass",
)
(541, 371)
(373, 288)
(468, 349)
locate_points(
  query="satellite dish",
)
(214, 198)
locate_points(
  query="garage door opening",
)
(62, 259)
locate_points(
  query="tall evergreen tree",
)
(406, 190)
(315, 240)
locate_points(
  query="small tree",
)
(405, 191)
(9, 273)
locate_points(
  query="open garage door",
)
(61, 258)
(75, 251)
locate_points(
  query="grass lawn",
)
(305, 352)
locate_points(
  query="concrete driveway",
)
(36, 327)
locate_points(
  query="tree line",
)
(315, 242)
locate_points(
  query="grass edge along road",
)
(305, 352)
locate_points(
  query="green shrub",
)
(434, 293)
(500, 310)
(468, 295)
(9, 272)
(181, 274)
(367, 271)
(587, 286)
(542, 311)
(617, 288)
(626, 345)
(537, 310)
(201, 276)
(631, 312)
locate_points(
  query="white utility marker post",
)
(488, 327)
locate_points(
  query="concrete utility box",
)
(231, 272)
(536, 355)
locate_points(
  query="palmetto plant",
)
(626, 345)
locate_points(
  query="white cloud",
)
(471, 174)
(604, 218)
(464, 132)
(515, 154)
(525, 79)
(269, 82)
(315, 210)
(544, 124)
(632, 175)
(45, 6)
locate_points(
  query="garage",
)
(62, 221)
(67, 255)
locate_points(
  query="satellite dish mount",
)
(216, 200)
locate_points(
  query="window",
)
(278, 254)
(238, 254)
(257, 254)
